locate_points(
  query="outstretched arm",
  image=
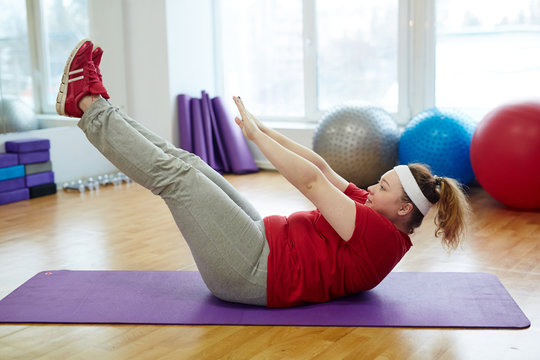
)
(306, 153)
(337, 208)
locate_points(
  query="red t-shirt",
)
(309, 262)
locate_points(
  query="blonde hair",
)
(449, 200)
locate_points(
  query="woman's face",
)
(385, 197)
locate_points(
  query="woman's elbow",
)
(311, 180)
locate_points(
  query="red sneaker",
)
(97, 53)
(79, 79)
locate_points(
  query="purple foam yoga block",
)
(27, 145)
(14, 195)
(39, 178)
(7, 160)
(34, 157)
(12, 184)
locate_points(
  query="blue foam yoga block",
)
(11, 172)
(12, 184)
(39, 178)
(14, 195)
(27, 145)
(7, 160)
(34, 157)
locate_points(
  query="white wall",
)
(107, 31)
(145, 41)
(72, 155)
(190, 52)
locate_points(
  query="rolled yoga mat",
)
(208, 139)
(462, 300)
(234, 143)
(184, 122)
(221, 161)
(198, 137)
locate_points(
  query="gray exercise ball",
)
(360, 142)
(16, 115)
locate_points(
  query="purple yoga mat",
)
(462, 300)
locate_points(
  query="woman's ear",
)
(405, 208)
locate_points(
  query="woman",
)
(349, 244)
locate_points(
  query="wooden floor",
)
(128, 228)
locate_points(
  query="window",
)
(15, 66)
(357, 52)
(488, 52)
(263, 54)
(296, 58)
(36, 37)
(64, 24)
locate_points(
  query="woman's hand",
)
(248, 123)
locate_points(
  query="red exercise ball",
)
(505, 154)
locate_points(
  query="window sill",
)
(47, 121)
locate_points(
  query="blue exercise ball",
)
(440, 138)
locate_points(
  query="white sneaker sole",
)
(62, 92)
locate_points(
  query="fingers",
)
(240, 104)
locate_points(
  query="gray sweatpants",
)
(224, 232)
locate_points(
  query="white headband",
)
(412, 189)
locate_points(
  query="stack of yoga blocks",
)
(26, 170)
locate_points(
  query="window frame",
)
(36, 41)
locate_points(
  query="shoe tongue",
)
(96, 57)
(95, 85)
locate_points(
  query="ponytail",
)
(452, 211)
(449, 201)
